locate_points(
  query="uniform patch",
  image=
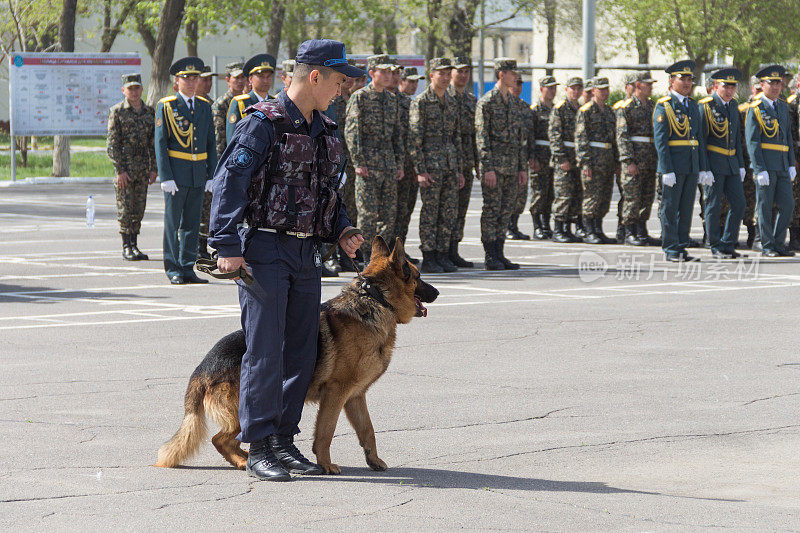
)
(259, 115)
(660, 118)
(158, 122)
(233, 119)
(243, 158)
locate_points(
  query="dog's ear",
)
(398, 256)
(379, 247)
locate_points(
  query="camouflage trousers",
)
(618, 179)
(542, 192)
(464, 194)
(638, 193)
(205, 215)
(348, 193)
(498, 205)
(597, 192)
(438, 214)
(376, 202)
(406, 200)
(131, 202)
(567, 192)
(522, 198)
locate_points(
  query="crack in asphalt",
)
(113, 493)
(771, 398)
(221, 498)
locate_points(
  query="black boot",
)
(290, 457)
(429, 263)
(513, 232)
(621, 236)
(262, 463)
(633, 238)
(794, 239)
(598, 230)
(538, 230)
(457, 260)
(558, 232)
(508, 265)
(580, 230)
(138, 255)
(202, 248)
(444, 262)
(491, 262)
(127, 253)
(548, 233)
(751, 235)
(590, 233)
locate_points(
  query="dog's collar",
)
(374, 292)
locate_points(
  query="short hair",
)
(302, 70)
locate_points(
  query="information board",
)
(66, 93)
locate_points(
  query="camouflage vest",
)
(296, 189)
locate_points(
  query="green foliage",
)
(82, 164)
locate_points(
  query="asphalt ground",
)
(598, 388)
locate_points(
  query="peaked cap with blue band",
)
(327, 53)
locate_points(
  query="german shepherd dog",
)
(357, 332)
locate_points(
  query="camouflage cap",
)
(547, 81)
(461, 62)
(288, 66)
(395, 64)
(588, 85)
(755, 81)
(234, 69)
(131, 79)
(207, 72)
(410, 73)
(575, 80)
(505, 63)
(440, 63)
(644, 76)
(599, 82)
(380, 61)
(630, 79)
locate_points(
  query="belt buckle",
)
(194, 157)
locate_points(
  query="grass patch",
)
(45, 142)
(82, 164)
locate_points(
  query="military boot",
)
(262, 463)
(590, 233)
(580, 230)
(558, 232)
(138, 255)
(621, 232)
(127, 253)
(513, 232)
(444, 261)
(633, 238)
(794, 239)
(457, 260)
(491, 262)
(290, 457)
(598, 230)
(538, 230)
(548, 233)
(429, 263)
(498, 247)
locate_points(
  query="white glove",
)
(344, 180)
(742, 173)
(209, 184)
(669, 179)
(763, 178)
(792, 172)
(709, 178)
(169, 186)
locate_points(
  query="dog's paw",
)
(331, 468)
(377, 464)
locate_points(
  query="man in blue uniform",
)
(260, 71)
(185, 156)
(722, 131)
(275, 198)
(680, 146)
(770, 145)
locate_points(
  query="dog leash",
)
(347, 234)
(208, 266)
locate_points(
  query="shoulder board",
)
(204, 99)
(664, 99)
(706, 100)
(268, 109)
(585, 106)
(626, 102)
(242, 97)
(743, 107)
(616, 104)
(533, 107)
(755, 103)
(167, 99)
(560, 104)
(792, 98)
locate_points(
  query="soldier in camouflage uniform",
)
(462, 70)
(374, 138)
(542, 177)
(638, 159)
(596, 155)
(567, 189)
(219, 110)
(288, 72)
(407, 187)
(131, 149)
(630, 83)
(498, 131)
(794, 228)
(513, 232)
(435, 141)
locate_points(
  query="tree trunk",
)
(191, 37)
(276, 16)
(164, 50)
(66, 37)
(460, 28)
(377, 39)
(642, 48)
(550, 19)
(110, 31)
(390, 27)
(297, 25)
(433, 48)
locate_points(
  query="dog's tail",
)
(192, 432)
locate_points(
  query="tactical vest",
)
(296, 189)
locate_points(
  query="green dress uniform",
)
(749, 184)
(237, 109)
(770, 145)
(185, 154)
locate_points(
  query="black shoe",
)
(580, 230)
(508, 265)
(445, 263)
(192, 278)
(513, 232)
(290, 457)
(538, 230)
(693, 244)
(785, 253)
(718, 254)
(127, 253)
(770, 253)
(751, 235)
(137, 253)
(794, 239)
(621, 233)
(262, 463)
(491, 262)
(177, 280)
(545, 219)
(633, 237)
(457, 260)
(734, 254)
(598, 230)
(429, 264)
(680, 257)
(590, 235)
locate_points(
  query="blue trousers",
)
(280, 318)
(779, 192)
(730, 186)
(182, 216)
(676, 213)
